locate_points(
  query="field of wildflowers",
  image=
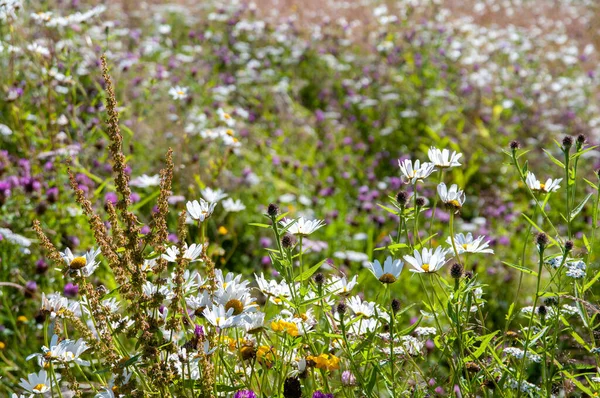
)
(232, 199)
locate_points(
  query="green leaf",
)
(520, 268)
(256, 224)
(388, 209)
(556, 161)
(309, 272)
(579, 207)
(485, 341)
(578, 384)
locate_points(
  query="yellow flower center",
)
(78, 263)
(425, 267)
(465, 246)
(180, 92)
(542, 186)
(2, 345)
(237, 306)
(455, 203)
(387, 278)
(226, 116)
(39, 387)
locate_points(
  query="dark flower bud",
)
(341, 308)
(287, 241)
(542, 240)
(514, 145)
(542, 310)
(319, 278)
(292, 388)
(273, 210)
(420, 202)
(551, 301)
(568, 245)
(395, 305)
(456, 270)
(402, 198)
(567, 142)
(580, 140)
(469, 274)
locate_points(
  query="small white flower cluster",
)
(518, 354)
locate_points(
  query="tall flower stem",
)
(530, 324)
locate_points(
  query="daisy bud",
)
(287, 241)
(273, 210)
(341, 308)
(395, 305)
(402, 198)
(420, 202)
(319, 278)
(514, 145)
(568, 246)
(567, 142)
(456, 271)
(542, 240)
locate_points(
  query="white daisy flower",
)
(417, 172)
(342, 286)
(302, 226)
(145, 181)
(443, 158)
(466, 244)
(452, 197)
(37, 383)
(213, 195)
(86, 264)
(191, 254)
(549, 186)
(233, 206)
(178, 93)
(219, 317)
(225, 117)
(200, 210)
(428, 260)
(390, 271)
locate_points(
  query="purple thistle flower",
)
(244, 394)
(320, 394)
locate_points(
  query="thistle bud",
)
(319, 278)
(568, 246)
(287, 241)
(402, 198)
(542, 240)
(341, 308)
(567, 142)
(395, 305)
(420, 202)
(273, 210)
(514, 145)
(456, 271)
